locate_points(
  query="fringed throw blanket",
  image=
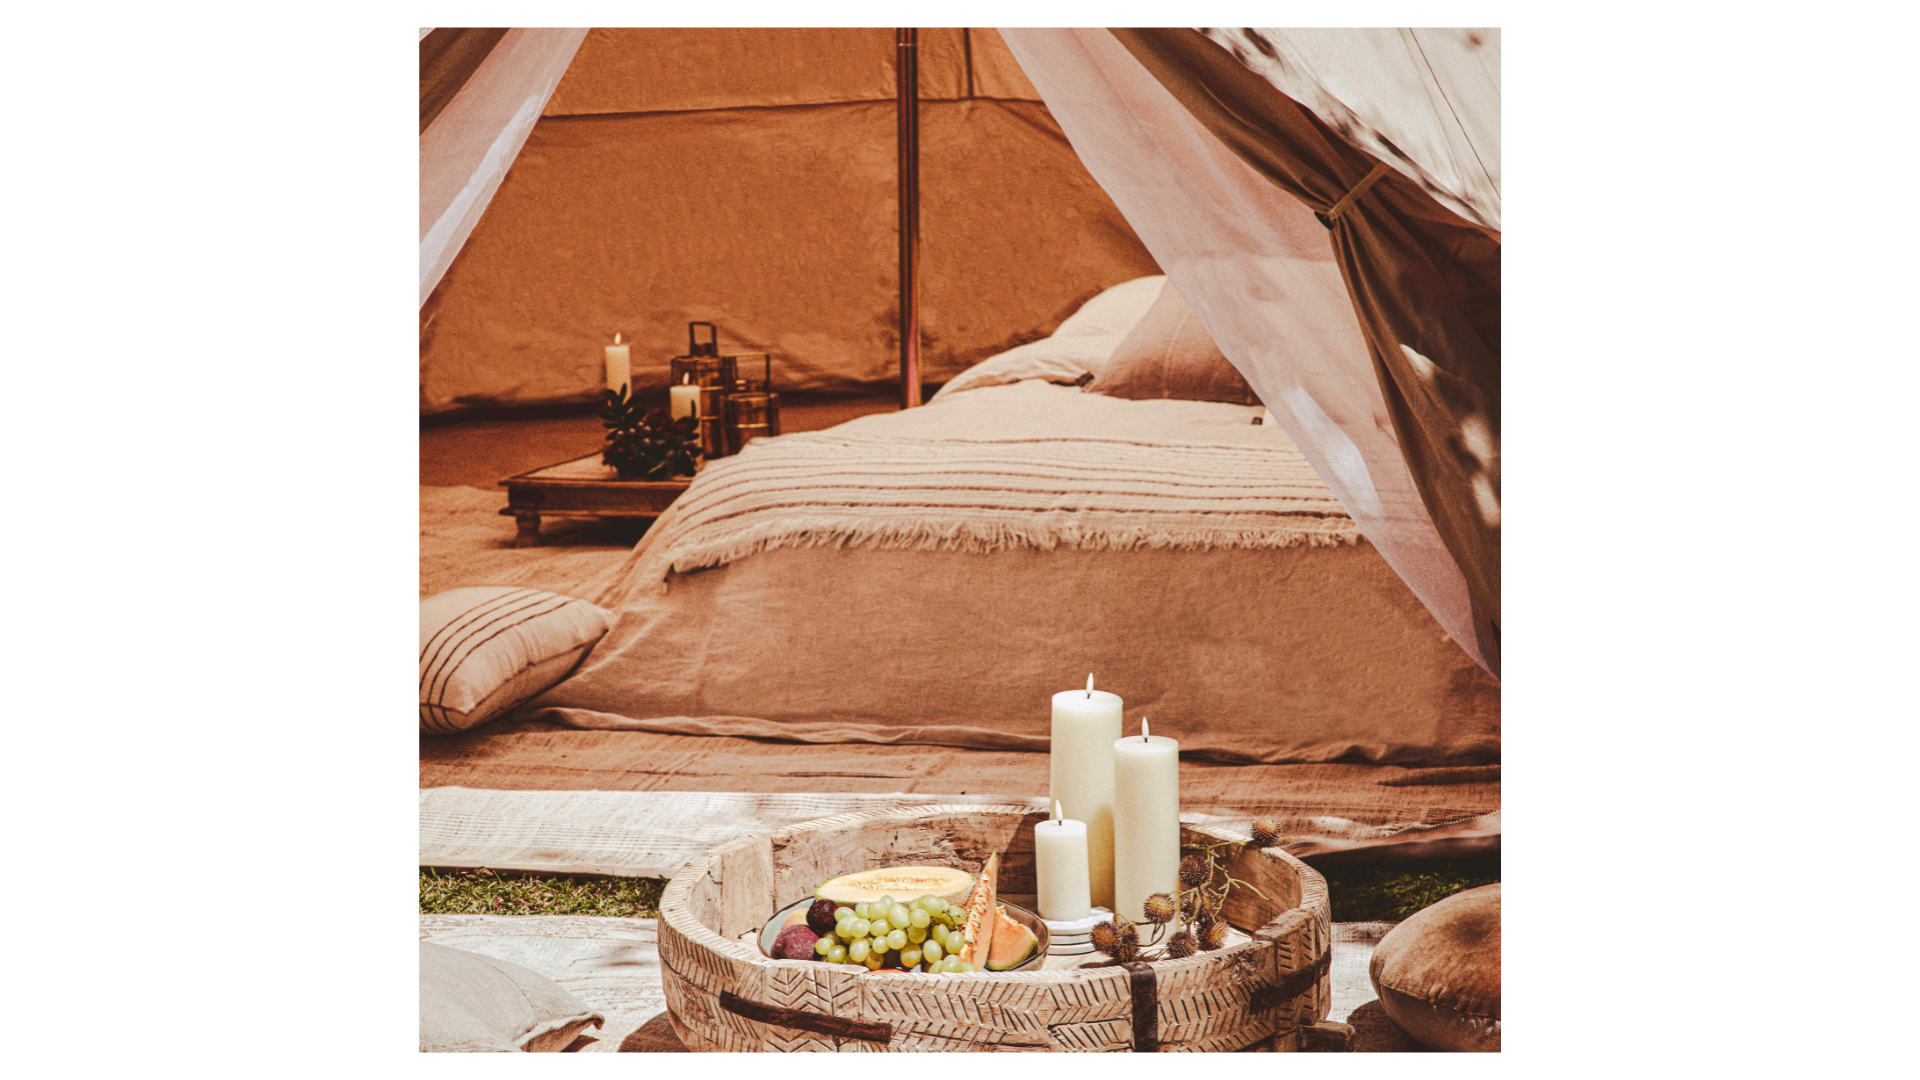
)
(991, 492)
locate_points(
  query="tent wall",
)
(746, 177)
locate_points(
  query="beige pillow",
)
(1074, 350)
(1168, 354)
(486, 649)
(1438, 973)
(475, 1004)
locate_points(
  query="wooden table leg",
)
(529, 534)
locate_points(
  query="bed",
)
(929, 578)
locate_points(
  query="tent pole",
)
(906, 71)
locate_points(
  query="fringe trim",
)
(977, 537)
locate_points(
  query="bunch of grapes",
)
(921, 936)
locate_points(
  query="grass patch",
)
(484, 892)
(1362, 892)
(1368, 892)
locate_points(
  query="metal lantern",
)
(734, 410)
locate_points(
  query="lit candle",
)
(1146, 820)
(1085, 725)
(619, 366)
(685, 398)
(1060, 867)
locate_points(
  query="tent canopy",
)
(747, 177)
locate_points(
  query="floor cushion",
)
(475, 1004)
(485, 650)
(1438, 973)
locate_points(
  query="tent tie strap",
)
(1366, 182)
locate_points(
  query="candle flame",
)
(1089, 684)
(616, 337)
(1057, 815)
(1143, 729)
(685, 378)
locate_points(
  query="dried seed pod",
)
(1266, 832)
(1202, 922)
(1194, 871)
(1189, 905)
(1126, 950)
(1105, 937)
(1214, 936)
(1129, 936)
(1181, 945)
(1160, 908)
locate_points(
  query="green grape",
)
(897, 915)
(863, 910)
(921, 919)
(947, 964)
(879, 927)
(857, 952)
(823, 946)
(874, 962)
(930, 903)
(862, 927)
(837, 954)
(909, 957)
(916, 934)
(842, 912)
(933, 951)
(964, 968)
(896, 939)
(844, 929)
(885, 903)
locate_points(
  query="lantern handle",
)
(696, 347)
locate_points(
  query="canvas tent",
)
(746, 177)
(1326, 201)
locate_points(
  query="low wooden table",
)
(583, 487)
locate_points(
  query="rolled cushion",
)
(1438, 973)
(485, 650)
(1168, 354)
(476, 1004)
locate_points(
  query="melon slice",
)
(904, 883)
(1013, 943)
(981, 914)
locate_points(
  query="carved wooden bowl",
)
(723, 994)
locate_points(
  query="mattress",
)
(932, 577)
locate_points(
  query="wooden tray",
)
(771, 931)
(723, 994)
(583, 487)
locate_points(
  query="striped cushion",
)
(485, 650)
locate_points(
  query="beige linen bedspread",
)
(931, 577)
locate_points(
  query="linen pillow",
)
(1438, 973)
(485, 650)
(475, 1004)
(1077, 348)
(1168, 354)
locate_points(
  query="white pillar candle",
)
(1146, 820)
(619, 366)
(685, 400)
(1085, 725)
(1060, 868)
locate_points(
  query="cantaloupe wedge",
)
(1013, 943)
(982, 914)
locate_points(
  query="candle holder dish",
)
(1267, 990)
(1075, 937)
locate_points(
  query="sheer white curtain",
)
(469, 147)
(1259, 271)
(1426, 101)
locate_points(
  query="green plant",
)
(646, 444)
(484, 892)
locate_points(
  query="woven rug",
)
(464, 540)
(614, 966)
(654, 833)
